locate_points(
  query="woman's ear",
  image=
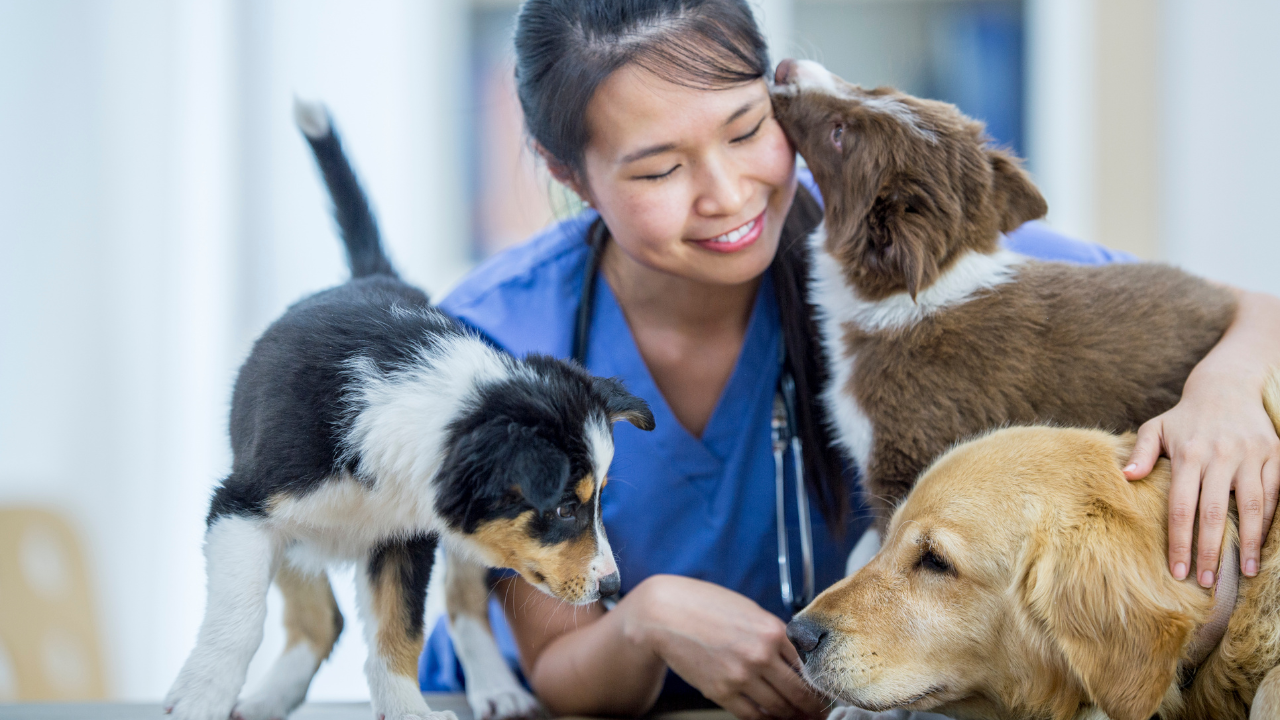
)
(564, 174)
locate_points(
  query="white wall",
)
(159, 209)
(1220, 145)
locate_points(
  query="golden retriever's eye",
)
(837, 136)
(568, 511)
(935, 563)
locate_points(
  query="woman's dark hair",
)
(566, 48)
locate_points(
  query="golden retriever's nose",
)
(806, 635)
(782, 75)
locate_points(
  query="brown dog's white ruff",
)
(1025, 577)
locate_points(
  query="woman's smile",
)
(736, 239)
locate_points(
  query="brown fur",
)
(561, 567)
(585, 488)
(399, 637)
(915, 187)
(310, 612)
(1055, 601)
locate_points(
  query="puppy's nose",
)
(784, 72)
(806, 635)
(610, 585)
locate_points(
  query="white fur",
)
(394, 696)
(285, 686)
(402, 416)
(601, 439)
(840, 305)
(312, 118)
(493, 692)
(240, 558)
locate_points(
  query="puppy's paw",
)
(441, 715)
(513, 703)
(261, 707)
(205, 701)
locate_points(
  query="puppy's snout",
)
(806, 635)
(610, 585)
(784, 72)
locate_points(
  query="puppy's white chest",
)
(344, 519)
(837, 307)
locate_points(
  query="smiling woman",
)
(657, 113)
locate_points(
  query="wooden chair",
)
(48, 635)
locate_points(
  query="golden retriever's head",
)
(909, 184)
(1023, 577)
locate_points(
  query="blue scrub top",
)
(676, 504)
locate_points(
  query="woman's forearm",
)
(594, 667)
(1251, 345)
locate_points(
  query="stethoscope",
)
(784, 434)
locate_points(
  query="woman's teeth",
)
(734, 235)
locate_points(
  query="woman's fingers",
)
(741, 707)
(784, 679)
(1146, 450)
(1250, 502)
(771, 700)
(1184, 492)
(1215, 493)
(1270, 490)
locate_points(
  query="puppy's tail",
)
(350, 206)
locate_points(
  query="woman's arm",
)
(585, 661)
(1219, 438)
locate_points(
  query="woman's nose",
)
(723, 193)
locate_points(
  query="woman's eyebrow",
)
(746, 107)
(668, 147)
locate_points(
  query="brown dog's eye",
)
(837, 135)
(935, 563)
(568, 511)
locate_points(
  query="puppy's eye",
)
(935, 563)
(568, 511)
(837, 136)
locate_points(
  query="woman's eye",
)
(935, 563)
(568, 511)
(751, 134)
(658, 176)
(837, 136)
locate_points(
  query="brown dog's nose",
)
(806, 635)
(784, 72)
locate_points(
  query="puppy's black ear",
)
(537, 468)
(1017, 199)
(622, 405)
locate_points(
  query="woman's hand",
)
(1220, 439)
(729, 648)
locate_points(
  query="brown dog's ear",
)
(898, 247)
(1088, 587)
(1017, 199)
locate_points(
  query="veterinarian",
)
(684, 279)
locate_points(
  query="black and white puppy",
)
(367, 427)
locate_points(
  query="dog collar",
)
(1225, 593)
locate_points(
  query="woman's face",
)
(691, 182)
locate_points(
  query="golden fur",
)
(563, 568)
(310, 612)
(1025, 577)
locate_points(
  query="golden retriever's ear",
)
(1086, 588)
(1017, 199)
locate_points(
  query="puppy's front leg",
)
(392, 594)
(493, 692)
(240, 559)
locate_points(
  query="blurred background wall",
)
(158, 209)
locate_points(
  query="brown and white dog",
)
(933, 331)
(1024, 577)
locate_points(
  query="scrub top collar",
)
(613, 352)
